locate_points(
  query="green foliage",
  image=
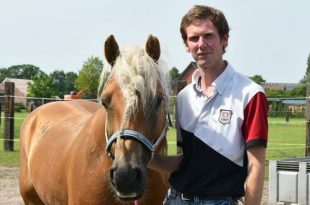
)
(70, 80)
(24, 71)
(3, 74)
(258, 79)
(275, 93)
(63, 82)
(299, 91)
(88, 77)
(41, 86)
(174, 74)
(19, 107)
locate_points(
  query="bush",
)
(19, 107)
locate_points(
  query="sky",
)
(270, 38)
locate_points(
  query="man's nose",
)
(202, 43)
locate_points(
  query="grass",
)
(11, 159)
(286, 140)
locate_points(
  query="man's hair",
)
(200, 12)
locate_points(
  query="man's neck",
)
(209, 75)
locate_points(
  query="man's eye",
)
(208, 35)
(193, 38)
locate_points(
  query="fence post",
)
(9, 88)
(307, 151)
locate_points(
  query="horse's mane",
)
(137, 74)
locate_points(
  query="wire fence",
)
(287, 114)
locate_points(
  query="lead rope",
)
(136, 202)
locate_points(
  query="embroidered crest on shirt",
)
(225, 116)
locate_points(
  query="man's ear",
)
(225, 40)
(186, 48)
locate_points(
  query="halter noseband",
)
(132, 134)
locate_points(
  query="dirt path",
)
(9, 191)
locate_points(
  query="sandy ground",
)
(9, 191)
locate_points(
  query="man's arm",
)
(256, 173)
(165, 164)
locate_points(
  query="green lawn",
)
(11, 159)
(286, 140)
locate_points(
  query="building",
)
(185, 78)
(279, 86)
(21, 86)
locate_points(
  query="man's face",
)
(204, 43)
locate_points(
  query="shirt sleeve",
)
(255, 124)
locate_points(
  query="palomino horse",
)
(81, 152)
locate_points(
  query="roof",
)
(20, 84)
(190, 68)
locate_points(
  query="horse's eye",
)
(105, 101)
(158, 100)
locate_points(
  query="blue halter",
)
(127, 133)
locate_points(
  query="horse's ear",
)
(111, 50)
(152, 47)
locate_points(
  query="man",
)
(221, 120)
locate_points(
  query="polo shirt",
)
(215, 132)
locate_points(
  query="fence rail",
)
(285, 114)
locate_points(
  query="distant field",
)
(286, 140)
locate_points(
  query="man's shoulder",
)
(246, 83)
(187, 90)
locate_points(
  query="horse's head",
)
(134, 96)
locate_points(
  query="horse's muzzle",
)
(128, 181)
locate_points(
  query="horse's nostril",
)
(137, 175)
(112, 171)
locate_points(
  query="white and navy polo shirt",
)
(215, 132)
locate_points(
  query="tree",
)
(306, 78)
(58, 78)
(25, 71)
(88, 77)
(174, 74)
(258, 79)
(3, 74)
(63, 82)
(41, 86)
(299, 91)
(70, 81)
(275, 93)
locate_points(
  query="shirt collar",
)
(195, 80)
(220, 83)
